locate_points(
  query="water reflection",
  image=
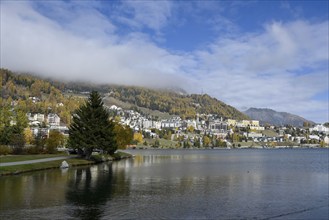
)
(32, 190)
(90, 189)
(80, 192)
(181, 184)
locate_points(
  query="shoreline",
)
(232, 148)
(11, 170)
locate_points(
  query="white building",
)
(63, 129)
(53, 119)
(40, 117)
(314, 137)
(253, 135)
(170, 124)
(326, 139)
(320, 128)
(113, 107)
(190, 123)
(32, 117)
(217, 126)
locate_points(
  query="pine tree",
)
(91, 128)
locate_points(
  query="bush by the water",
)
(98, 158)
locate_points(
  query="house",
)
(217, 126)
(53, 119)
(34, 123)
(113, 107)
(189, 123)
(171, 123)
(320, 128)
(40, 117)
(231, 122)
(32, 117)
(34, 99)
(63, 129)
(314, 137)
(253, 135)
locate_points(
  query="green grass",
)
(164, 143)
(7, 170)
(121, 155)
(15, 158)
(270, 133)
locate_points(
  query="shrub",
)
(4, 150)
(33, 150)
(97, 158)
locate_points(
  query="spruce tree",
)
(91, 128)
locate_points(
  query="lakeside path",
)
(34, 161)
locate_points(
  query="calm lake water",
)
(177, 184)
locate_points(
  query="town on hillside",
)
(212, 131)
(204, 131)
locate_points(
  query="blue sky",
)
(266, 54)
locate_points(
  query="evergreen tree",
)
(91, 128)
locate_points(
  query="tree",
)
(306, 124)
(123, 135)
(21, 120)
(28, 136)
(206, 141)
(196, 142)
(54, 140)
(91, 128)
(190, 129)
(156, 143)
(138, 138)
(168, 135)
(17, 140)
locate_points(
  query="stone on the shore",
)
(64, 165)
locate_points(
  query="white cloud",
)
(284, 66)
(150, 14)
(43, 46)
(265, 69)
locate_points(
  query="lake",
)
(177, 184)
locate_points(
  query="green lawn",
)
(163, 143)
(270, 133)
(41, 166)
(7, 170)
(15, 158)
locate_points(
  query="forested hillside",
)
(50, 98)
(186, 106)
(32, 94)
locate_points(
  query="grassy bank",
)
(16, 158)
(17, 169)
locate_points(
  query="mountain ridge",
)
(266, 115)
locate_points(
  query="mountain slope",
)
(33, 94)
(174, 101)
(186, 106)
(276, 118)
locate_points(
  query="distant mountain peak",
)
(266, 115)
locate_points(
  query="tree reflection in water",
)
(91, 188)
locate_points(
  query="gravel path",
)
(34, 161)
